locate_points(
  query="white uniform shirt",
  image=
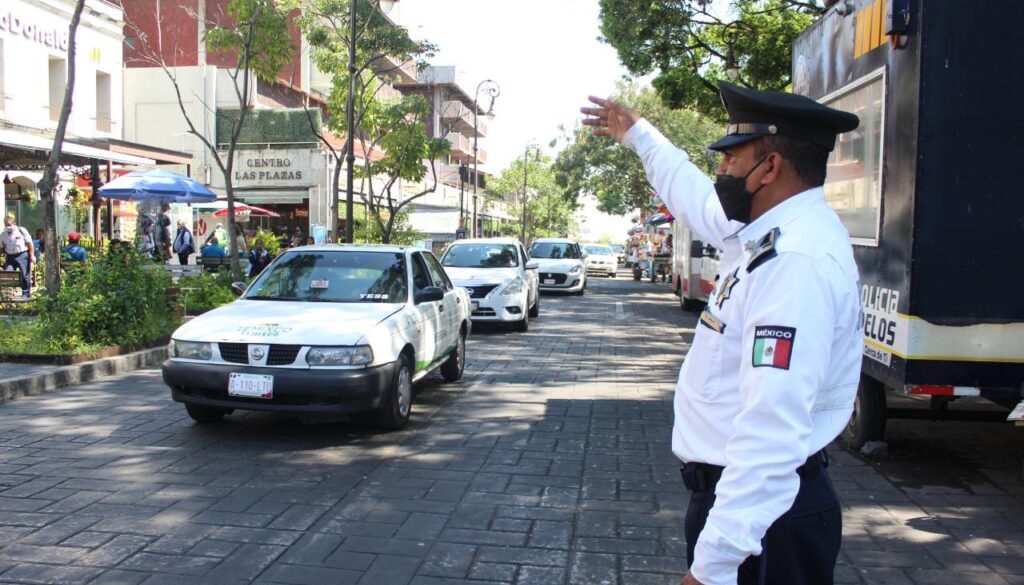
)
(773, 370)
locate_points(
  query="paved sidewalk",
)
(549, 464)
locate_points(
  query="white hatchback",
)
(502, 281)
(334, 328)
(561, 265)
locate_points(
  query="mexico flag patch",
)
(773, 346)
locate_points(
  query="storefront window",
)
(854, 184)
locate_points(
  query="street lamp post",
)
(494, 90)
(350, 109)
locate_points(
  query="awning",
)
(285, 196)
(72, 153)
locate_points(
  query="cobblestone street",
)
(549, 464)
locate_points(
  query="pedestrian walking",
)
(259, 258)
(163, 230)
(74, 252)
(19, 252)
(772, 373)
(184, 244)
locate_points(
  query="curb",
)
(13, 388)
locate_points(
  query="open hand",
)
(609, 118)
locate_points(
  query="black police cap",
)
(753, 114)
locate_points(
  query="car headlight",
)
(339, 356)
(190, 350)
(575, 270)
(514, 287)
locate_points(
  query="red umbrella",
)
(250, 210)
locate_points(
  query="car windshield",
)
(599, 250)
(556, 250)
(481, 256)
(618, 248)
(334, 277)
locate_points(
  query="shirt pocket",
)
(704, 363)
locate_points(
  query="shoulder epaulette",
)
(765, 250)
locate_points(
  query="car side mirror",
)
(238, 288)
(532, 265)
(430, 294)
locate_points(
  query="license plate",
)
(476, 305)
(251, 386)
(549, 281)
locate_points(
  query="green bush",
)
(112, 300)
(270, 242)
(209, 291)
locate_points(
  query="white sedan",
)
(501, 280)
(340, 329)
(601, 259)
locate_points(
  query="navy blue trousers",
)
(20, 263)
(801, 547)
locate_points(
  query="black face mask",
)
(733, 195)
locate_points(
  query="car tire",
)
(455, 365)
(394, 414)
(535, 309)
(689, 305)
(611, 275)
(523, 325)
(205, 414)
(867, 423)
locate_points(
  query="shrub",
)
(209, 291)
(270, 242)
(112, 300)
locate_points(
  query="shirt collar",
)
(780, 215)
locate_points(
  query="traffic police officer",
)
(772, 374)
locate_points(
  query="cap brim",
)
(732, 140)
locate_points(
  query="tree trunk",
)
(49, 180)
(335, 197)
(229, 188)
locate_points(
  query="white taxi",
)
(334, 328)
(561, 265)
(502, 281)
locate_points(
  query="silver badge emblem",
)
(256, 353)
(470, 291)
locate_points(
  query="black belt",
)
(702, 477)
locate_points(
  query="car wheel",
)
(394, 415)
(523, 325)
(456, 363)
(535, 309)
(867, 423)
(689, 305)
(611, 274)
(205, 414)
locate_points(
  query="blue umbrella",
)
(157, 184)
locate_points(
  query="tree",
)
(690, 43)
(396, 129)
(549, 210)
(49, 179)
(328, 30)
(255, 34)
(615, 175)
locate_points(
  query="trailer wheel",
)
(867, 423)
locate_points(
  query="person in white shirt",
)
(772, 373)
(19, 252)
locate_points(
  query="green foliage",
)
(111, 300)
(615, 175)
(549, 208)
(690, 42)
(270, 242)
(270, 125)
(207, 291)
(258, 38)
(402, 234)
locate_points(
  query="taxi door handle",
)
(440, 308)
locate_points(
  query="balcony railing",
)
(103, 123)
(460, 116)
(403, 71)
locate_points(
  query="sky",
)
(544, 55)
